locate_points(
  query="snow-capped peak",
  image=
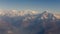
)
(47, 15)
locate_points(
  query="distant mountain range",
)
(26, 22)
(13, 13)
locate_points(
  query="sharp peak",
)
(46, 12)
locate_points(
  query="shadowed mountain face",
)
(44, 23)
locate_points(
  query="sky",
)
(40, 5)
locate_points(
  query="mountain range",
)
(29, 22)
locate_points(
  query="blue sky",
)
(53, 5)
